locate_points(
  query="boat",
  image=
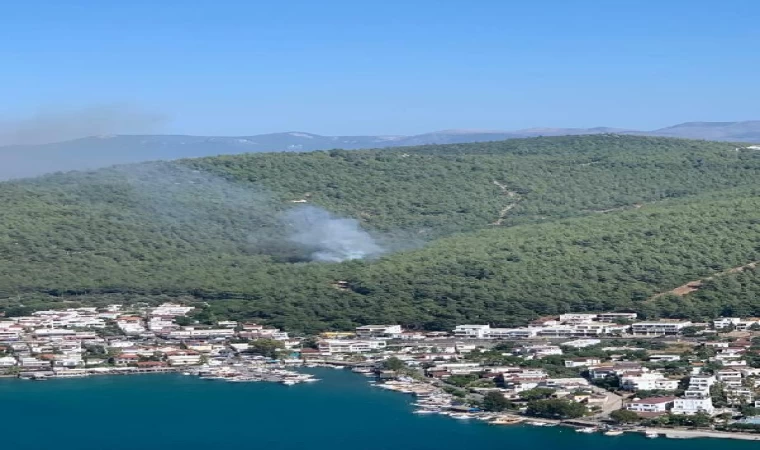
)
(289, 382)
(651, 435)
(425, 411)
(537, 424)
(460, 416)
(586, 430)
(506, 421)
(613, 433)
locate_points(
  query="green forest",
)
(497, 232)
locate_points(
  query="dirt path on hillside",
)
(693, 286)
(505, 210)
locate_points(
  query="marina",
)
(251, 371)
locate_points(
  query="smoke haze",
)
(333, 239)
(195, 203)
(54, 126)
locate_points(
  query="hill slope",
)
(575, 236)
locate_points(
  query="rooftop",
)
(654, 400)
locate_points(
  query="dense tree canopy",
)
(497, 232)
(555, 408)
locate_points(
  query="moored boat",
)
(506, 421)
(537, 424)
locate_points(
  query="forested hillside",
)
(496, 232)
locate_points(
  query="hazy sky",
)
(386, 66)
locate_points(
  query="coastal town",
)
(607, 372)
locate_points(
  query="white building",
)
(464, 348)
(738, 323)
(613, 317)
(455, 366)
(332, 346)
(589, 329)
(190, 332)
(558, 331)
(750, 372)
(701, 381)
(690, 406)
(7, 335)
(379, 331)
(564, 383)
(458, 368)
(183, 360)
(697, 398)
(577, 318)
(729, 377)
(7, 361)
(131, 326)
(651, 405)
(664, 358)
(34, 363)
(471, 331)
(539, 351)
(581, 362)
(71, 373)
(171, 310)
(721, 344)
(739, 396)
(658, 328)
(160, 323)
(511, 333)
(48, 332)
(647, 382)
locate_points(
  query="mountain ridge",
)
(18, 161)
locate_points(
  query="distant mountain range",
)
(93, 152)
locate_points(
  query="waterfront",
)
(152, 412)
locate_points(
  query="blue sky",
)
(385, 67)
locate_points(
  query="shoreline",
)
(680, 433)
(517, 419)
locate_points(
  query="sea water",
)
(342, 411)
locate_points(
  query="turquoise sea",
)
(343, 411)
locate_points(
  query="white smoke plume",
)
(330, 238)
(246, 215)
